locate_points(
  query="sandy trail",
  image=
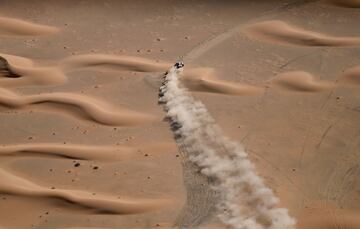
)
(15, 185)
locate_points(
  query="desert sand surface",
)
(259, 130)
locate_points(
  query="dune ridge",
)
(17, 27)
(87, 108)
(301, 81)
(104, 204)
(280, 32)
(84, 152)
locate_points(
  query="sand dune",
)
(15, 185)
(17, 27)
(280, 32)
(18, 71)
(126, 63)
(204, 80)
(345, 3)
(301, 81)
(352, 75)
(80, 106)
(84, 152)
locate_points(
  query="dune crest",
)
(280, 32)
(301, 81)
(125, 63)
(80, 106)
(17, 27)
(204, 80)
(18, 71)
(352, 75)
(83, 152)
(15, 185)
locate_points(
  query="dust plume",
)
(245, 201)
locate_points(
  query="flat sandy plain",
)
(84, 143)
